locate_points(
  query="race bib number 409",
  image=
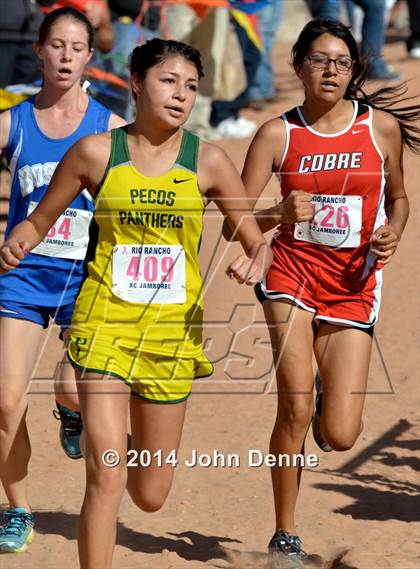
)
(68, 238)
(151, 274)
(337, 221)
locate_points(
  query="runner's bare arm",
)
(385, 239)
(5, 124)
(115, 121)
(82, 167)
(263, 158)
(259, 165)
(220, 181)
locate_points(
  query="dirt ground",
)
(358, 510)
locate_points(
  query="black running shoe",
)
(285, 551)
(316, 419)
(70, 430)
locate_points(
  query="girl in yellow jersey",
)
(135, 339)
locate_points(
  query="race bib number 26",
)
(151, 274)
(337, 221)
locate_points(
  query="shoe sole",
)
(324, 446)
(278, 561)
(73, 457)
(22, 548)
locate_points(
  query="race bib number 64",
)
(337, 221)
(152, 274)
(68, 238)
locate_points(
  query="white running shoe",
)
(246, 122)
(236, 128)
(414, 52)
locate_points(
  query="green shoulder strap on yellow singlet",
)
(188, 153)
(187, 156)
(119, 148)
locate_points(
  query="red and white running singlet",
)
(344, 173)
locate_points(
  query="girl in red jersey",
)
(344, 208)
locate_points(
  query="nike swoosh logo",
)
(180, 181)
(356, 131)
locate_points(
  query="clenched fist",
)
(11, 254)
(297, 207)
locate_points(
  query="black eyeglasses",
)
(343, 64)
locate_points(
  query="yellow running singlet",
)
(143, 291)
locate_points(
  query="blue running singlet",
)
(51, 274)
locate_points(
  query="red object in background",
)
(77, 4)
(201, 7)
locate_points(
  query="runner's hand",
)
(251, 269)
(384, 242)
(297, 207)
(245, 270)
(11, 254)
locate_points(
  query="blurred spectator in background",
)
(225, 114)
(373, 31)
(413, 43)
(203, 24)
(19, 24)
(132, 23)
(261, 90)
(96, 11)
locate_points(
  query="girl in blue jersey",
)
(35, 135)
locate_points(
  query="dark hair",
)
(156, 50)
(382, 99)
(67, 12)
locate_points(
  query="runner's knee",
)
(13, 405)
(149, 499)
(106, 480)
(148, 504)
(294, 413)
(341, 441)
